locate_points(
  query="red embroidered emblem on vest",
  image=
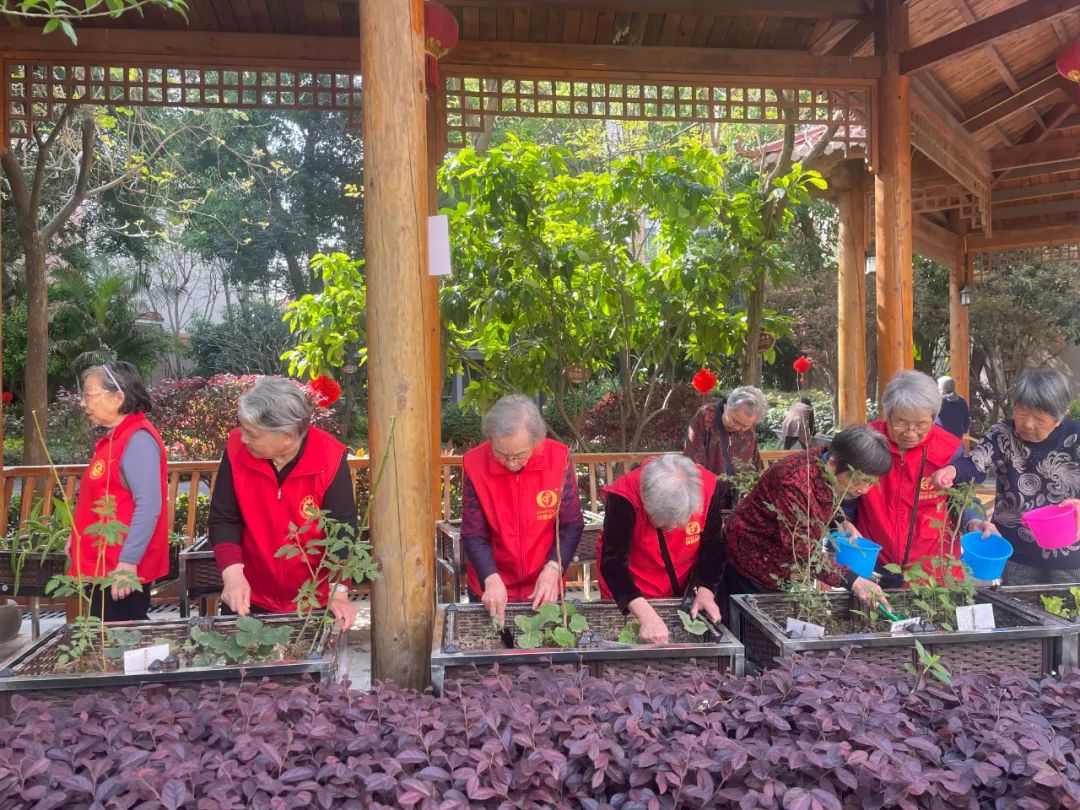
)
(546, 498)
(309, 507)
(693, 532)
(98, 469)
(927, 490)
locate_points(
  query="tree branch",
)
(86, 163)
(44, 148)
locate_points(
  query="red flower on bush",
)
(327, 389)
(704, 381)
(7, 396)
(802, 365)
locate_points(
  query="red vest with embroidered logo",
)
(103, 478)
(268, 510)
(885, 511)
(520, 509)
(646, 561)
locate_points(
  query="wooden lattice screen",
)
(36, 89)
(471, 100)
(927, 197)
(987, 262)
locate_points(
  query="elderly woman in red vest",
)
(515, 485)
(663, 534)
(277, 470)
(128, 466)
(905, 513)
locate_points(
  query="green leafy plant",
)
(631, 633)
(546, 627)
(58, 15)
(1056, 604)
(929, 664)
(936, 598)
(38, 536)
(693, 626)
(253, 642)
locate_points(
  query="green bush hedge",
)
(461, 426)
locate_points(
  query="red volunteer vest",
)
(520, 510)
(885, 511)
(267, 512)
(646, 562)
(103, 478)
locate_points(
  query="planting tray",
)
(463, 645)
(37, 570)
(1020, 640)
(31, 673)
(199, 574)
(1025, 599)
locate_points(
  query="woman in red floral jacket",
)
(794, 505)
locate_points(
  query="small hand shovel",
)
(507, 637)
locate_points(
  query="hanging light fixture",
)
(965, 296)
(871, 261)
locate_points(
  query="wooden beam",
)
(959, 264)
(1036, 192)
(851, 296)
(396, 202)
(1035, 88)
(800, 9)
(1034, 154)
(1024, 237)
(644, 62)
(166, 48)
(1047, 169)
(855, 38)
(1041, 209)
(934, 242)
(983, 32)
(892, 198)
(1070, 121)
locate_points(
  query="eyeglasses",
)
(511, 458)
(85, 395)
(910, 427)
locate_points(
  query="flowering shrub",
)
(194, 415)
(814, 733)
(665, 432)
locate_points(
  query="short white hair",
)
(911, 391)
(512, 413)
(276, 405)
(749, 399)
(671, 490)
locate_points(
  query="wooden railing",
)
(32, 484)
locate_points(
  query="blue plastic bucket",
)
(857, 553)
(986, 557)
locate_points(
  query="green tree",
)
(629, 270)
(251, 340)
(331, 328)
(62, 15)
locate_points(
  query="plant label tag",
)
(975, 617)
(903, 625)
(438, 245)
(139, 660)
(798, 629)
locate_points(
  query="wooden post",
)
(436, 149)
(396, 206)
(892, 198)
(959, 325)
(851, 296)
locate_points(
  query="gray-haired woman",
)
(722, 438)
(277, 470)
(514, 486)
(905, 513)
(1035, 458)
(663, 535)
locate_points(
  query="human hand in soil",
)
(494, 598)
(705, 602)
(344, 611)
(122, 589)
(546, 591)
(985, 526)
(869, 593)
(943, 478)
(237, 592)
(651, 628)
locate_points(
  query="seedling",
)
(930, 665)
(546, 626)
(252, 643)
(1056, 604)
(631, 633)
(695, 627)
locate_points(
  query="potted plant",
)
(33, 552)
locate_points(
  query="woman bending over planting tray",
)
(662, 536)
(517, 487)
(1035, 459)
(779, 526)
(278, 470)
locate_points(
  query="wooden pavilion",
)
(955, 138)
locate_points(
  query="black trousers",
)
(734, 583)
(131, 608)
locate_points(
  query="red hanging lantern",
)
(1068, 61)
(440, 37)
(704, 381)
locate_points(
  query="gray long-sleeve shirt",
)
(139, 468)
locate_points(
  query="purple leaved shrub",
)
(810, 735)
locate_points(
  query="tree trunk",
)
(755, 317)
(36, 387)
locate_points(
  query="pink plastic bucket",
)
(1054, 526)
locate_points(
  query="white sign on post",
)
(140, 660)
(975, 617)
(438, 241)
